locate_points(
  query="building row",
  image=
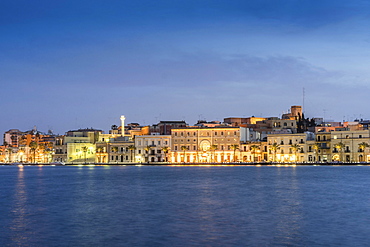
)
(289, 138)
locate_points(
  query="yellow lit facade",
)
(288, 147)
(346, 146)
(205, 145)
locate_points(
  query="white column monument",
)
(123, 125)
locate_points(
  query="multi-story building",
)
(152, 148)
(319, 150)
(251, 151)
(79, 145)
(288, 147)
(60, 150)
(207, 144)
(347, 146)
(12, 137)
(29, 146)
(115, 150)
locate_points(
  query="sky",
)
(79, 64)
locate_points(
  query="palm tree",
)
(184, 148)
(213, 148)
(295, 148)
(41, 150)
(49, 150)
(362, 146)
(234, 147)
(340, 146)
(132, 149)
(274, 148)
(9, 150)
(147, 149)
(165, 150)
(316, 147)
(84, 150)
(33, 146)
(254, 149)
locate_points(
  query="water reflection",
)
(19, 225)
(288, 206)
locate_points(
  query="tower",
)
(123, 125)
(295, 110)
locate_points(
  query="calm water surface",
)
(184, 206)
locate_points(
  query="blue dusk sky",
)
(83, 63)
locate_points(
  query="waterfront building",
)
(205, 144)
(2, 154)
(30, 146)
(350, 146)
(60, 150)
(319, 150)
(80, 145)
(36, 146)
(152, 148)
(112, 150)
(287, 147)
(251, 151)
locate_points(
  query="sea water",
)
(184, 206)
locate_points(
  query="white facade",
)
(151, 148)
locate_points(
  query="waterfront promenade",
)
(195, 164)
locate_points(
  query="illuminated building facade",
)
(152, 148)
(288, 147)
(346, 146)
(80, 145)
(207, 144)
(114, 150)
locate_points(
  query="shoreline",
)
(258, 164)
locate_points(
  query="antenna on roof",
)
(303, 100)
